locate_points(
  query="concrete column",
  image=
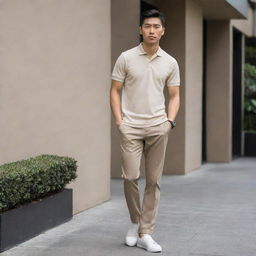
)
(183, 40)
(174, 43)
(193, 85)
(125, 18)
(54, 85)
(219, 91)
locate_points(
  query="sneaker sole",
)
(141, 246)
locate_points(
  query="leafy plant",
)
(250, 97)
(250, 55)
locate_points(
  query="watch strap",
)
(173, 123)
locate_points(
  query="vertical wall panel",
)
(54, 83)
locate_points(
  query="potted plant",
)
(33, 197)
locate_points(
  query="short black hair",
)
(152, 13)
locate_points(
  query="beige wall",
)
(183, 40)
(219, 91)
(223, 9)
(173, 42)
(124, 35)
(125, 18)
(193, 86)
(245, 25)
(51, 80)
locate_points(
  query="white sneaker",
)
(132, 235)
(146, 242)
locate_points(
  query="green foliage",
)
(250, 97)
(250, 55)
(32, 179)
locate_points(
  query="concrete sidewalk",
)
(208, 212)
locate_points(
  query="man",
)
(142, 73)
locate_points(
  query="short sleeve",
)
(119, 70)
(174, 77)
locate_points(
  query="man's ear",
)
(140, 30)
(163, 31)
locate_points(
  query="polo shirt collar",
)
(142, 52)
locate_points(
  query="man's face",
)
(152, 30)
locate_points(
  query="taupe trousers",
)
(151, 141)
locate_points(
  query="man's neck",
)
(150, 49)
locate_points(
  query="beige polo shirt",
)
(143, 101)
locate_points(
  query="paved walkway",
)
(208, 212)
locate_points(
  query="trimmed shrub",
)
(32, 179)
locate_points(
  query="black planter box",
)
(26, 221)
(249, 143)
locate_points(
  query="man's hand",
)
(118, 123)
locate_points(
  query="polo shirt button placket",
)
(149, 65)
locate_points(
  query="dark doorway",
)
(204, 149)
(237, 95)
(144, 6)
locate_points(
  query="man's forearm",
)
(173, 107)
(116, 105)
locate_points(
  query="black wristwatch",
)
(173, 123)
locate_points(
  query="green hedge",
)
(27, 180)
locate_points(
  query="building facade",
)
(55, 76)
